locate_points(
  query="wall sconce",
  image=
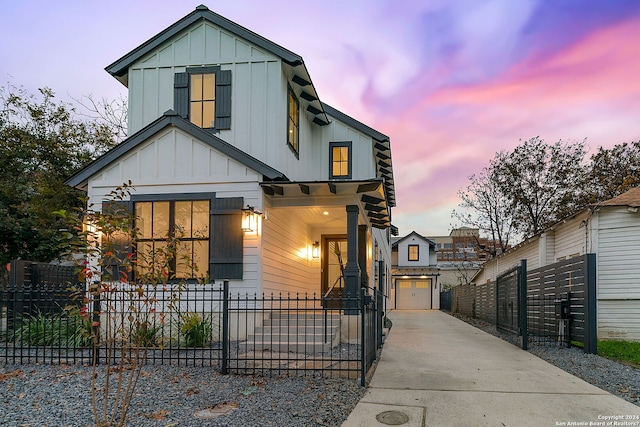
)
(249, 219)
(315, 250)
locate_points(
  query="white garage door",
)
(413, 294)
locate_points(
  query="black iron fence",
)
(196, 325)
(558, 306)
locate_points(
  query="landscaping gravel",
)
(616, 378)
(59, 395)
(167, 396)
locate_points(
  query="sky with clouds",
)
(450, 81)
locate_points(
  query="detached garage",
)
(415, 275)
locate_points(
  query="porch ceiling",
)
(332, 197)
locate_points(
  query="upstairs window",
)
(414, 253)
(293, 121)
(340, 160)
(202, 95)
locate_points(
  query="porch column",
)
(352, 269)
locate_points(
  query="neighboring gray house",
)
(609, 229)
(225, 123)
(414, 273)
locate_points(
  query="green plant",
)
(53, 330)
(196, 330)
(145, 334)
(622, 351)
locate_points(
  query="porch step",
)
(295, 332)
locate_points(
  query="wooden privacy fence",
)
(560, 303)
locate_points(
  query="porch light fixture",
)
(249, 219)
(315, 250)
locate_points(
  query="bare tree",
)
(110, 113)
(487, 208)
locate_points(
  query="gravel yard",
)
(58, 395)
(45, 395)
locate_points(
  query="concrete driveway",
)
(436, 370)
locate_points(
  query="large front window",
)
(173, 236)
(293, 121)
(202, 99)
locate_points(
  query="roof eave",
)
(80, 179)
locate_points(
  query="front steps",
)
(296, 333)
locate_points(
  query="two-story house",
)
(230, 143)
(414, 273)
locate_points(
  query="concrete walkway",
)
(436, 370)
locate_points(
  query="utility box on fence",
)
(562, 309)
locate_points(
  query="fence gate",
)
(445, 300)
(511, 301)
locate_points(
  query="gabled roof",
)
(631, 198)
(381, 148)
(412, 234)
(300, 76)
(121, 67)
(170, 118)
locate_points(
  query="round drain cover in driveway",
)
(392, 418)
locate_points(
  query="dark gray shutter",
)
(223, 99)
(117, 246)
(226, 239)
(181, 94)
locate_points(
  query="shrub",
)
(195, 330)
(53, 330)
(145, 334)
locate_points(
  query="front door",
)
(334, 259)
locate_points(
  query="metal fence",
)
(195, 325)
(445, 300)
(559, 306)
(561, 302)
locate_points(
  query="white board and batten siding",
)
(151, 78)
(173, 162)
(259, 104)
(618, 272)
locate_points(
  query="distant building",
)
(460, 255)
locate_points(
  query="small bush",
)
(144, 334)
(195, 330)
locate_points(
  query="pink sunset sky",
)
(450, 81)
